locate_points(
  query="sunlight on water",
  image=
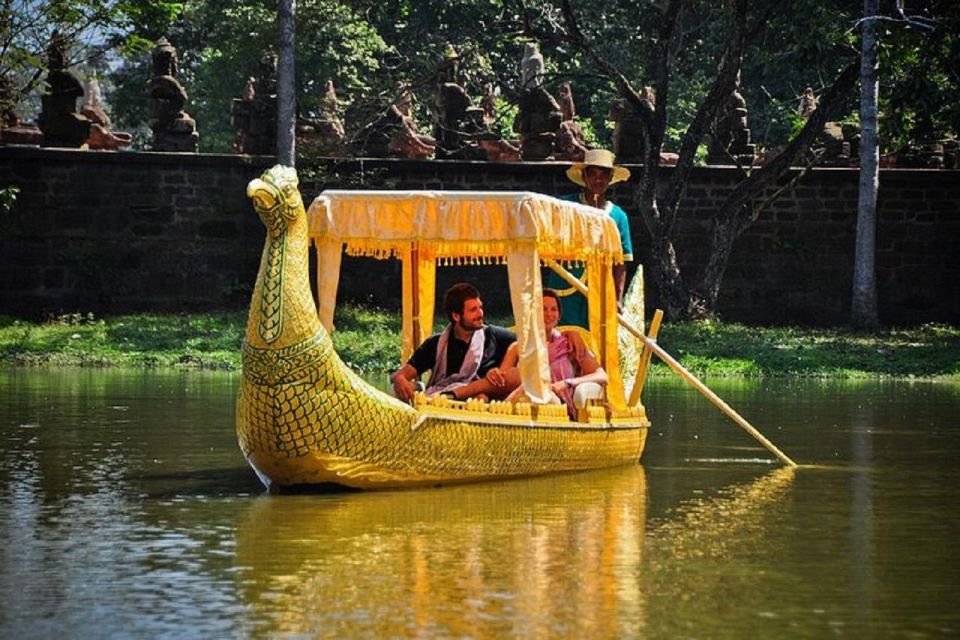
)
(126, 510)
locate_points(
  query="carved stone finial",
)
(173, 129)
(532, 66)
(254, 115)
(808, 103)
(59, 119)
(539, 115)
(570, 143)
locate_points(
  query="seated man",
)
(463, 360)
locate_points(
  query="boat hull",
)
(494, 453)
(363, 439)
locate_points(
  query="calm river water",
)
(126, 510)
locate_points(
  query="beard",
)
(475, 325)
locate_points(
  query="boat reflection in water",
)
(557, 556)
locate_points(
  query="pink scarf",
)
(561, 368)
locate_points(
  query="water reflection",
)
(543, 556)
(550, 557)
(126, 510)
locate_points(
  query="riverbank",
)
(368, 341)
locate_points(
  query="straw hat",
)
(597, 158)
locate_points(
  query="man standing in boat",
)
(464, 359)
(595, 174)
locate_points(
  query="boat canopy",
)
(424, 228)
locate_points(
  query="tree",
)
(919, 64)
(220, 43)
(863, 308)
(658, 194)
(286, 85)
(96, 29)
(929, 39)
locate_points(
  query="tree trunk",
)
(286, 85)
(863, 308)
(665, 271)
(739, 210)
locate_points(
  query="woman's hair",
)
(552, 293)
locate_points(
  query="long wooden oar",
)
(691, 379)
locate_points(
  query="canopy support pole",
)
(641, 378)
(415, 294)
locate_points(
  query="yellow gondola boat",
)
(304, 418)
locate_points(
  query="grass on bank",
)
(368, 340)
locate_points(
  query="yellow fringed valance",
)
(463, 225)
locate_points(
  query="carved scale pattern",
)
(271, 297)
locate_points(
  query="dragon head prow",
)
(275, 197)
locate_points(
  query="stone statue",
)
(394, 133)
(12, 130)
(730, 140)
(628, 126)
(628, 129)
(324, 134)
(61, 124)
(649, 98)
(173, 129)
(570, 144)
(8, 103)
(101, 135)
(531, 67)
(455, 117)
(406, 141)
(567, 108)
(808, 103)
(489, 104)
(329, 104)
(497, 149)
(254, 116)
(837, 145)
(539, 116)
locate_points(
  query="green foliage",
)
(368, 340)
(506, 114)
(919, 74)
(8, 198)
(94, 28)
(719, 349)
(198, 341)
(365, 47)
(220, 43)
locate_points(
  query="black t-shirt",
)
(496, 340)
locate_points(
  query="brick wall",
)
(115, 232)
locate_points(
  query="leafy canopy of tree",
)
(366, 46)
(690, 51)
(96, 28)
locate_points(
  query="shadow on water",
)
(226, 482)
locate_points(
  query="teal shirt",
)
(575, 305)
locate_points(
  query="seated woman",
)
(575, 374)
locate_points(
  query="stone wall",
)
(118, 232)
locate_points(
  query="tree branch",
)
(759, 179)
(721, 89)
(576, 38)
